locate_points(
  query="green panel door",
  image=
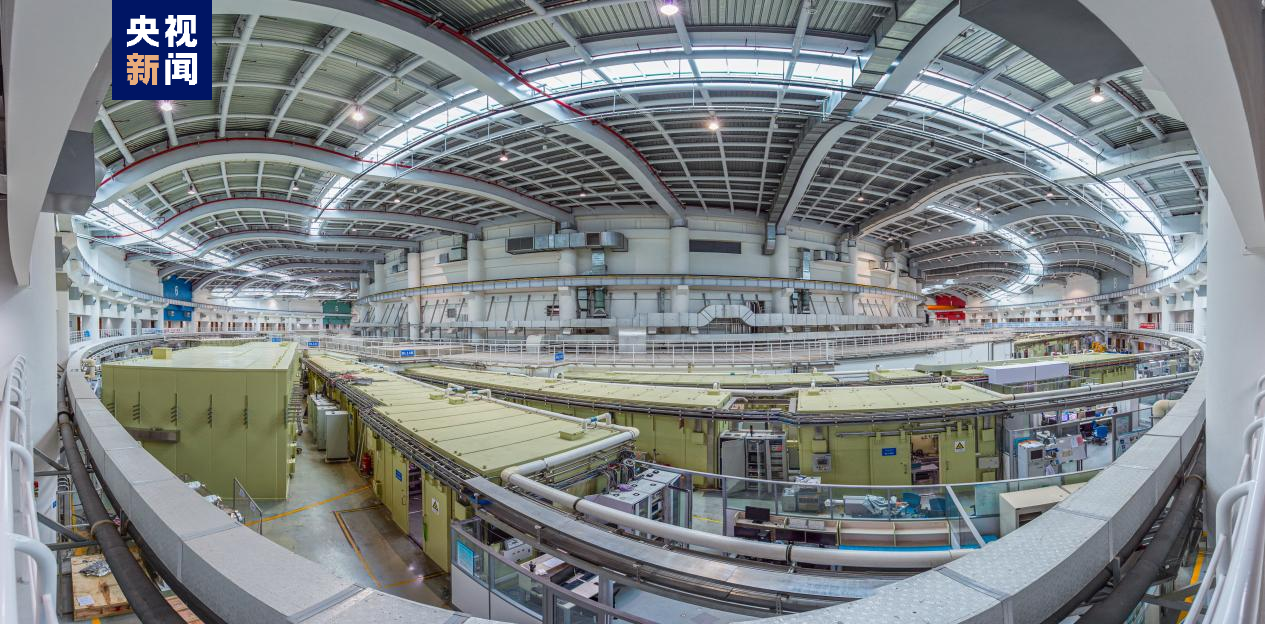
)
(395, 489)
(436, 510)
(889, 460)
(957, 455)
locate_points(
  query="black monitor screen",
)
(757, 514)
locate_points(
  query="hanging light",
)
(713, 124)
(584, 192)
(1097, 97)
(669, 8)
(190, 191)
(1049, 193)
(358, 114)
(165, 106)
(397, 200)
(294, 186)
(504, 156)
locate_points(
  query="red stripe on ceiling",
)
(460, 36)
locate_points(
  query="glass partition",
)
(846, 516)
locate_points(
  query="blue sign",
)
(87, 333)
(558, 357)
(161, 50)
(276, 338)
(407, 353)
(399, 476)
(313, 343)
(889, 451)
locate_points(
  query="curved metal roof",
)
(454, 113)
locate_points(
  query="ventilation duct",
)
(456, 254)
(770, 239)
(610, 241)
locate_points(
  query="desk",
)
(1019, 508)
(545, 565)
(584, 584)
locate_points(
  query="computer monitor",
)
(757, 514)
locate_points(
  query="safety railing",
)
(28, 585)
(666, 354)
(1136, 290)
(970, 510)
(95, 276)
(1232, 588)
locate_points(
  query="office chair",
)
(912, 502)
(938, 507)
(1100, 434)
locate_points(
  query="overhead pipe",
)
(518, 476)
(143, 596)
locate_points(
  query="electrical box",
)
(336, 427)
(230, 405)
(821, 462)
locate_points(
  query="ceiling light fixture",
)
(504, 156)
(1097, 97)
(358, 114)
(584, 192)
(165, 106)
(190, 191)
(1049, 193)
(713, 124)
(294, 186)
(397, 200)
(669, 8)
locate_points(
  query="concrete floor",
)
(332, 517)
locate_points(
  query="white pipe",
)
(732, 545)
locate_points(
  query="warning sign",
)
(959, 446)
(434, 505)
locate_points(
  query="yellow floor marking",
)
(705, 519)
(306, 507)
(1194, 578)
(350, 540)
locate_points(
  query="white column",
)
(1236, 354)
(414, 303)
(848, 253)
(679, 250)
(566, 304)
(679, 264)
(63, 325)
(379, 277)
(781, 257)
(681, 299)
(1199, 312)
(364, 284)
(474, 261)
(1166, 313)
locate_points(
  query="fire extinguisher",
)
(366, 464)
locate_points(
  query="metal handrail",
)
(19, 532)
(1136, 290)
(1231, 591)
(96, 275)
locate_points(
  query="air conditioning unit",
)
(610, 241)
(826, 255)
(456, 254)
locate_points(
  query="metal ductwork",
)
(610, 241)
(770, 239)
